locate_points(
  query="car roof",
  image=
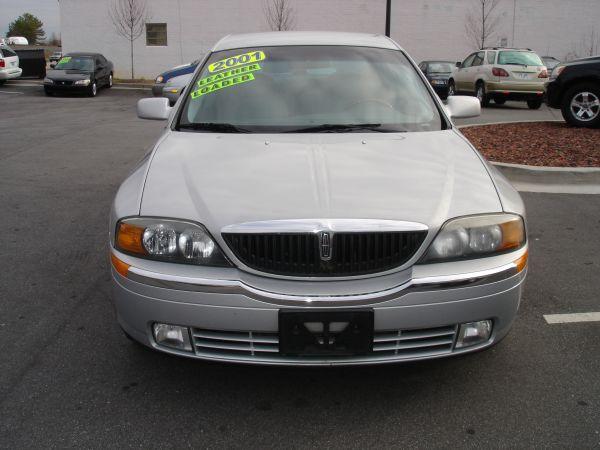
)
(283, 38)
(437, 61)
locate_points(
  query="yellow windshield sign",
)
(227, 82)
(219, 76)
(237, 60)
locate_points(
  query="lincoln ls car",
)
(310, 202)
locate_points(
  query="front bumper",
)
(9, 74)
(232, 314)
(554, 92)
(57, 88)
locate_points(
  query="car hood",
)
(224, 179)
(67, 74)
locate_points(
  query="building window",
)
(156, 34)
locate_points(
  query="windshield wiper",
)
(213, 126)
(341, 128)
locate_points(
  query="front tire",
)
(48, 93)
(481, 95)
(93, 91)
(451, 88)
(534, 104)
(581, 106)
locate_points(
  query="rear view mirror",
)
(463, 107)
(154, 108)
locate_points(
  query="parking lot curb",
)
(558, 180)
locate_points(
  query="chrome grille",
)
(247, 343)
(299, 254)
(261, 346)
(413, 343)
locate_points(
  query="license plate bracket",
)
(326, 333)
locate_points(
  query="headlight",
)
(168, 240)
(82, 82)
(438, 82)
(557, 71)
(48, 81)
(159, 79)
(476, 236)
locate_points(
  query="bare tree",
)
(280, 15)
(591, 42)
(129, 18)
(482, 22)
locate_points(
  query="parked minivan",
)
(9, 64)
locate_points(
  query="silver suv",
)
(501, 74)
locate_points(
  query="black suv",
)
(574, 88)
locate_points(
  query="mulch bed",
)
(537, 144)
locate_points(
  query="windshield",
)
(302, 88)
(519, 58)
(82, 63)
(440, 67)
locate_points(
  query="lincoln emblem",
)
(325, 245)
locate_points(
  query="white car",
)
(9, 64)
(311, 203)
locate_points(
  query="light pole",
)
(514, 21)
(388, 13)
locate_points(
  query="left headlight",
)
(48, 81)
(476, 236)
(82, 82)
(168, 240)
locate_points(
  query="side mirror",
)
(463, 107)
(154, 108)
(458, 64)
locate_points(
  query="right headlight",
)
(168, 240)
(557, 71)
(476, 236)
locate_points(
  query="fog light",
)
(474, 333)
(172, 336)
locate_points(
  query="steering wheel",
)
(369, 100)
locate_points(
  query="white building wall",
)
(427, 29)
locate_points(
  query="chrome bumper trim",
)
(240, 288)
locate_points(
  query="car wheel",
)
(581, 106)
(534, 104)
(48, 93)
(499, 101)
(93, 89)
(110, 80)
(483, 98)
(451, 88)
(2, 82)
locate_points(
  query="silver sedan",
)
(311, 203)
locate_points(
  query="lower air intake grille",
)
(414, 343)
(394, 345)
(300, 254)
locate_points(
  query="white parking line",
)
(572, 318)
(10, 92)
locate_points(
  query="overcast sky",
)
(45, 10)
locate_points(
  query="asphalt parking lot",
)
(68, 377)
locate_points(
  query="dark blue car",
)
(161, 80)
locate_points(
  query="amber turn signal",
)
(129, 238)
(513, 234)
(522, 261)
(119, 265)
